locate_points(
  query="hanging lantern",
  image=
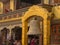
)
(34, 27)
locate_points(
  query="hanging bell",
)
(34, 27)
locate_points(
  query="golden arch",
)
(38, 11)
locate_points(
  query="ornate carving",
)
(50, 16)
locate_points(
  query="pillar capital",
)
(1, 7)
(12, 5)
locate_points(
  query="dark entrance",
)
(38, 39)
(17, 34)
(4, 33)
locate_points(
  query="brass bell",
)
(34, 27)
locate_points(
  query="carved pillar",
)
(46, 37)
(12, 4)
(1, 7)
(10, 28)
(45, 32)
(24, 32)
(48, 29)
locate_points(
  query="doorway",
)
(17, 34)
(37, 38)
(4, 33)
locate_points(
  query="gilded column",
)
(1, 7)
(12, 4)
(45, 32)
(24, 32)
